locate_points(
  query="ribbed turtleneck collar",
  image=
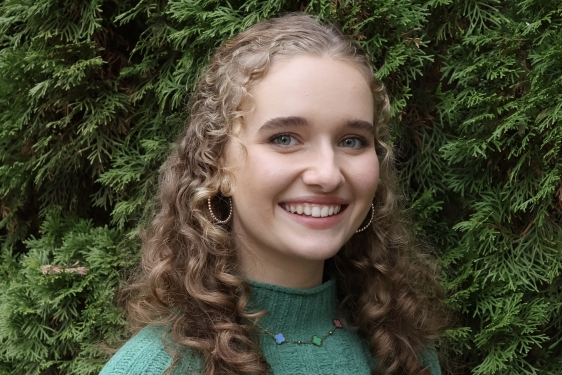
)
(295, 310)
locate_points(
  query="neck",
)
(283, 271)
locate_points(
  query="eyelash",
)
(362, 141)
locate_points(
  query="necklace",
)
(315, 340)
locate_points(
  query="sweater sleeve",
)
(145, 354)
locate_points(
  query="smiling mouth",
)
(313, 210)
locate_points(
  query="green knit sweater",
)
(296, 314)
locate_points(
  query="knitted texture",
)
(297, 314)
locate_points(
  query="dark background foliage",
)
(92, 92)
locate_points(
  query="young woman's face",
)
(311, 170)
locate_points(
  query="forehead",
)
(318, 89)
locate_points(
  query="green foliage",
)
(493, 160)
(60, 302)
(92, 93)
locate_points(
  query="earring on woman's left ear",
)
(213, 214)
(370, 221)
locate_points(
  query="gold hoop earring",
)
(213, 215)
(370, 221)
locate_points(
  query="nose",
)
(322, 170)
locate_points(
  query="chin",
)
(315, 252)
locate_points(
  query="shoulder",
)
(431, 361)
(146, 354)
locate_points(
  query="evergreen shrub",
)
(93, 92)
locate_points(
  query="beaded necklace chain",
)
(315, 340)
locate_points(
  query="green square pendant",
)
(317, 340)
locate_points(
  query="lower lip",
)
(316, 222)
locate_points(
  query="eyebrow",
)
(361, 125)
(285, 122)
(282, 122)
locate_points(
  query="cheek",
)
(253, 170)
(364, 176)
(262, 175)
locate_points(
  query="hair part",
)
(190, 279)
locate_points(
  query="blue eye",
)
(284, 140)
(352, 142)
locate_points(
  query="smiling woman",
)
(277, 243)
(309, 143)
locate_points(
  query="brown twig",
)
(528, 227)
(50, 269)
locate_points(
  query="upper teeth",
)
(313, 210)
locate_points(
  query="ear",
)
(224, 156)
(229, 160)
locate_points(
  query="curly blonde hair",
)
(190, 279)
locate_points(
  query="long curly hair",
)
(189, 278)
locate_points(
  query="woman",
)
(277, 243)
